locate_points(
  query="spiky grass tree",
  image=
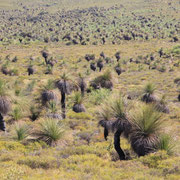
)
(21, 131)
(35, 112)
(121, 124)
(78, 106)
(45, 55)
(118, 69)
(64, 86)
(82, 84)
(30, 70)
(48, 94)
(117, 55)
(104, 81)
(162, 106)
(166, 143)
(146, 126)
(93, 66)
(116, 121)
(5, 105)
(148, 95)
(105, 120)
(16, 114)
(100, 64)
(49, 131)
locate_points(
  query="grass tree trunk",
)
(46, 60)
(82, 91)
(117, 145)
(2, 123)
(63, 104)
(106, 133)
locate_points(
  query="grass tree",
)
(118, 69)
(35, 112)
(78, 106)
(148, 95)
(121, 124)
(162, 106)
(21, 131)
(117, 55)
(105, 120)
(47, 93)
(16, 113)
(93, 66)
(115, 119)
(166, 143)
(82, 84)
(100, 64)
(146, 126)
(45, 55)
(4, 104)
(49, 131)
(104, 81)
(64, 86)
(30, 70)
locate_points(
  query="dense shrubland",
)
(110, 24)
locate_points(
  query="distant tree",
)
(30, 70)
(118, 69)
(45, 55)
(64, 86)
(82, 84)
(117, 55)
(93, 66)
(100, 64)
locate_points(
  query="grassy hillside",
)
(62, 39)
(82, 153)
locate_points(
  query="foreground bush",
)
(49, 131)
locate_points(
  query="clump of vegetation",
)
(103, 81)
(21, 131)
(166, 143)
(147, 124)
(78, 107)
(99, 95)
(148, 96)
(49, 131)
(16, 114)
(47, 93)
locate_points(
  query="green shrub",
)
(39, 162)
(49, 131)
(16, 114)
(166, 144)
(83, 115)
(21, 131)
(98, 96)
